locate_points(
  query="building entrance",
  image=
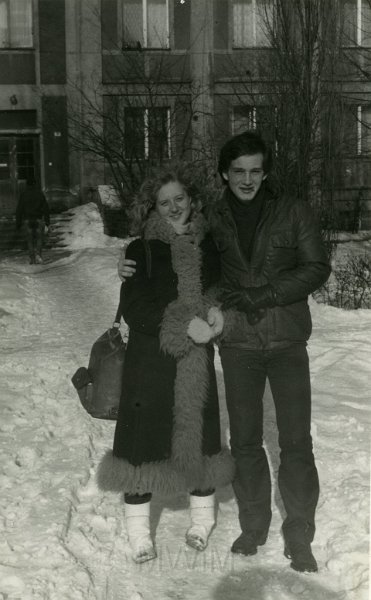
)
(19, 160)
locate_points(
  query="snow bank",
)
(62, 539)
(85, 230)
(108, 196)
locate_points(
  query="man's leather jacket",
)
(289, 254)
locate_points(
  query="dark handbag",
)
(99, 386)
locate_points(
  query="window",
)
(17, 157)
(25, 158)
(18, 119)
(244, 117)
(145, 24)
(356, 132)
(356, 22)
(262, 118)
(364, 129)
(4, 159)
(16, 24)
(147, 132)
(250, 19)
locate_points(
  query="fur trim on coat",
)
(118, 475)
(190, 387)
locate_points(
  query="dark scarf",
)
(246, 216)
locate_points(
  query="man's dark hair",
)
(248, 142)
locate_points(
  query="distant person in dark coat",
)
(33, 213)
(167, 437)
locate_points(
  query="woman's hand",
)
(216, 320)
(125, 266)
(199, 331)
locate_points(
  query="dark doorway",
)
(19, 160)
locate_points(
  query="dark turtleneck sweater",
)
(246, 216)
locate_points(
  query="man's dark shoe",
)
(247, 543)
(301, 556)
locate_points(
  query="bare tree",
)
(141, 116)
(130, 131)
(292, 89)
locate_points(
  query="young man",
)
(33, 210)
(272, 258)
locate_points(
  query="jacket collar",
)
(222, 205)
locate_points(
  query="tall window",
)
(16, 24)
(250, 19)
(261, 118)
(365, 129)
(145, 23)
(147, 132)
(356, 22)
(243, 118)
(356, 133)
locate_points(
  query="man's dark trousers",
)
(245, 374)
(35, 236)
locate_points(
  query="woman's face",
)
(173, 203)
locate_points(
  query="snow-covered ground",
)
(62, 539)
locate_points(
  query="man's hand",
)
(255, 316)
(199, 331)
(216, 320)
(248, 299)
(125, 266)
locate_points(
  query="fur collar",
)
(159, 229)
(186, 255)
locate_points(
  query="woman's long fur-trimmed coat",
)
(167, 437)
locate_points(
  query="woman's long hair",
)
(145, 200)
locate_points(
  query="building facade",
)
(89, 85)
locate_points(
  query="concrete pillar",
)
(84, 77)
(202, 88)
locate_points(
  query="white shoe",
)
(137, 526)
(202, 521)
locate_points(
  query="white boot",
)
(202, 521)
(137, 526)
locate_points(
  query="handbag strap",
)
(116, 322)
(147, 249)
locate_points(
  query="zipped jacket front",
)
(288, 253)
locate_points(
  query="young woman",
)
(167, 437)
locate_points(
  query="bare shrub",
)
(349, 286)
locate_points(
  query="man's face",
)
(245, 176)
